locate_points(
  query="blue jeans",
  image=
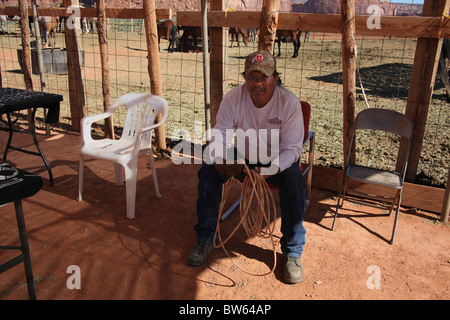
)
(291, 184)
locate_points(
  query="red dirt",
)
(145, 258)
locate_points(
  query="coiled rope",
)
(256, 223)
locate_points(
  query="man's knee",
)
(292, 178)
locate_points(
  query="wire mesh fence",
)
(384, 72)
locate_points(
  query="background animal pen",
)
(385, 65)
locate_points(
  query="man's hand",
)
(258, 170)
(229, 169)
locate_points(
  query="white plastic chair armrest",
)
(144, 130)
(86, 123)
(149, 128)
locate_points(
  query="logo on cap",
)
(259, 57)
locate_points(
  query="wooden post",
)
(37, 33)
(446, 202)
(206, 69)
(154, 70)
(26, 52)
(76, 89)
(218, 62)
(268, 25)
(348, 72)
(426, 60)
(102, 28)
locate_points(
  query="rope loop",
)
(256, 222)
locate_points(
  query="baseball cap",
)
(261, 61)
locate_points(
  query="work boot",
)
(199, 253)
(293, 270)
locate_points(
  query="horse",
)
(306, 36)
(252, 34)
(194, 32)
(235, 32)
(48, 26)
(88, 24)
(294, 35)
(167, 30)
(2, 20)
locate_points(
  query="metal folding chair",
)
(379, 120)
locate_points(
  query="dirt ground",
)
(145, 258)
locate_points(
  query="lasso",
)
(254, 185)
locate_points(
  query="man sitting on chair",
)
(274, 113)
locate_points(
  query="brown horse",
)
(294, 36)
(167, 30)
(48, 27)
(252, 34)
(195, 33)
(235, 32)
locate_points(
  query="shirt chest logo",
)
(274, 121)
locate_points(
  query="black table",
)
(13, 100)
(25, 185)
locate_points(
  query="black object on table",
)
(12, 100)
(15, 189)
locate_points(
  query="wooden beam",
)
(426, 27)
(118, 13)
(414, 195)
(399, 26)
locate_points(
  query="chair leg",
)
(231, 209)
(394, 201)
(80, 178)
(394, 230)
(130, 185)
(341, 195)
(25, 249)
(118, 173)
(336, 213)
(155, 178)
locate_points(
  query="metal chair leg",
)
(341, 195)
(394, 230)
(25, 249)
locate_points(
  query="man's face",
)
(260, 87)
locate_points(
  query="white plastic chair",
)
(142, 110)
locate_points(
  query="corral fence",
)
(395, 64)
